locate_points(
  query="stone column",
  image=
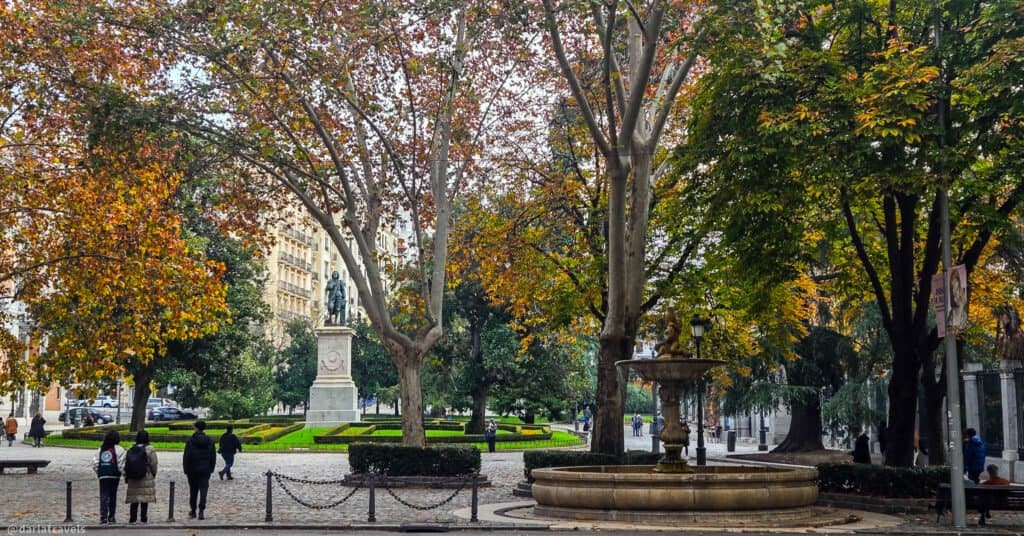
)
(333, 398)
(971, 409)
(1008, 389)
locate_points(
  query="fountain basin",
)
(709, 488)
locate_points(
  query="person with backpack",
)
(491, 435)
(140, 474)
(229, 445)
(108, 463)
(199, 461)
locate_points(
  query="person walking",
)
(108, 464)
(36, 430)
(140, 475)
(11, 429)
(686, 438)
(229, 445)
(861, 446)
(199, 461)
(974, 455)
(491, 435)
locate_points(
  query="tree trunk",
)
(804, 428)
(936, 447)
(476, 421)
(899, 449)
(608, 429)
(142, 377)
(411, 402)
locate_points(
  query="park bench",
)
(32, 465)
(983, 499)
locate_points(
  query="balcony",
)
(301, 264)
(298, 235)
(294, 289)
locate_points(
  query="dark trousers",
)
(198, 485)
(108, 499)
(975, 476)
(490, 444)
(229, 460)
(133, 510)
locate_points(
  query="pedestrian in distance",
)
(229, 446)
(11, 429)
(36, 430)
(108, 463)
(974, 455)
(140, 474)
(686, 438)
(861, 448)
(491, 435)
(199, 461)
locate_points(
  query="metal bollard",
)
(270, 497)
(371, 517)
(170, 503)
(68, 519)
(474, 505)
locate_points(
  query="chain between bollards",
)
(68, 519)
(475, 499)
(170, 503)
(371, 516)
(270, 497)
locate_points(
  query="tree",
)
(372, 370)
(828, 105)
(369, 114)
(296, 365)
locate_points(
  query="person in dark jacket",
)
(974, 455)
(36, 431)
(861, 449)
(108, 463)
(199, 461)
(229, 445)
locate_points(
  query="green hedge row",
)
(864, 479)
(240, 424)
(539, 459)
(468, 438)
(393, 460)
(277, 419)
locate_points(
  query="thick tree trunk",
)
(608, 428)
(936, 447)
(899, 450)
(142, 377)
(411, 402)
(476, 421)
(804, 429)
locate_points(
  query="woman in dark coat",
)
(36, 431)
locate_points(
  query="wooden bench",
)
(32, 465)
(982, 499)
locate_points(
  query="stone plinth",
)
(333, 397)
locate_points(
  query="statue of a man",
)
(335, 300)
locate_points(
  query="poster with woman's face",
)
(957, 318)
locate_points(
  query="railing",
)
(288, 258)
(298, 235)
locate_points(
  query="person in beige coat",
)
(142, 491)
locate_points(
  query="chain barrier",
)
(462, 485)
(280, 479)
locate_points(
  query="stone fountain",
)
(673, 490)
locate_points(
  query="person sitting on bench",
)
(993, 480)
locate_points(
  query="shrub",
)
(395, 460)
(863, 479)
(540, 459)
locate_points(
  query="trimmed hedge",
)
(394, 460)
(241, 424)
(277, 419)
(880, 480)
(539, 459)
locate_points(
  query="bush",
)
(394, 460)
(540, 459)
(638, 399)
(863, 479)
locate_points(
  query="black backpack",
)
(136, 463)
(108, 463)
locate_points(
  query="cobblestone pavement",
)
(40, 498)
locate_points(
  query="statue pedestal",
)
(333, 398)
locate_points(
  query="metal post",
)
(702, 453)
(371, 516)
(762, 438)
(170, 503)
(67, 519)
(475, 503)
(956, 459)
(270, 497)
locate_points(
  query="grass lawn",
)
(303, 439)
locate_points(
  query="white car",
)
(104, 401)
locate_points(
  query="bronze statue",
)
(669, 346)
(335, 300)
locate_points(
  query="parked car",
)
(104, 401)
(153, 403)
(170, 413)
(78, 415)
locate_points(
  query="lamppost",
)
(697, 327)
(120, 380)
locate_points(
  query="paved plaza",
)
(39, 499)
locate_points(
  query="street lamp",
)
(697, 327)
